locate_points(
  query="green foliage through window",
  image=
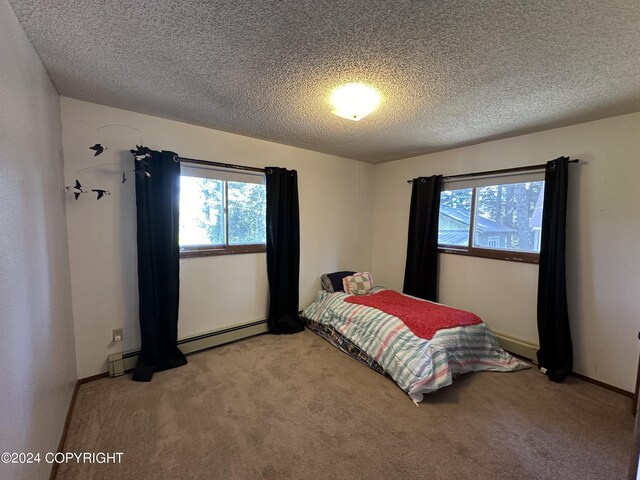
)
(507, 217)
(247, 213)
(221, 213)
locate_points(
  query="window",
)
(497, 217)
(221, 211)
(494, 242)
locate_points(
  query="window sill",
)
(205, 251)
(520, 257)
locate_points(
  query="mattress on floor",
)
(384, 343)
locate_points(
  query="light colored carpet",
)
(294, 407)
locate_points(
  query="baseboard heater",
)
(119, 363)
(519, 347)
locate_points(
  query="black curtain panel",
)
(157, 202)
(421, 270)
(283, 250)
(556, 351)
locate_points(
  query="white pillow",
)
(359, 283)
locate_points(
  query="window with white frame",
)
(495, 217)
(222, 211)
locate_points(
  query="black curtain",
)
(421, 270)
(157, 202)
(283, 250)
(556, 351)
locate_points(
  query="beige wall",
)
(603, 257)
(36, 346)
(336, 227)
(336, 219)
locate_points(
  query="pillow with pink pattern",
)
(359, 283)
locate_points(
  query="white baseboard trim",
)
(126, 361)
(519, 347)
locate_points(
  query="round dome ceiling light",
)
(354, 101)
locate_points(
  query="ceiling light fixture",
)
(354, 101)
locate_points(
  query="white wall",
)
(36, 346)
(335, 217)
(603, 258)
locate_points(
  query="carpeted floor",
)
(294, 407)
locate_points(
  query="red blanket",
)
(423, 318)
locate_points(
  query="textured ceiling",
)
(451, 72)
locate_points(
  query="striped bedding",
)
(417, 365)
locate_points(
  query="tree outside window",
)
(219, 216)
(499, 217)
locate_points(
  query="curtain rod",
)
(220, 164)
(498, 172)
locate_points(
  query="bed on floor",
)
(402, 351)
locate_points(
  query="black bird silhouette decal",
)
(140, 153)
(98, 149)
(124, 177)
(77, 189)
(101, 193)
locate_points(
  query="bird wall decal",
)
(98, 149)
(77, 189)
(100, 192)
(140, 153)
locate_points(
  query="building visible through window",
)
(493, 215)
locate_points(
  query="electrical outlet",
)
(117, 335)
